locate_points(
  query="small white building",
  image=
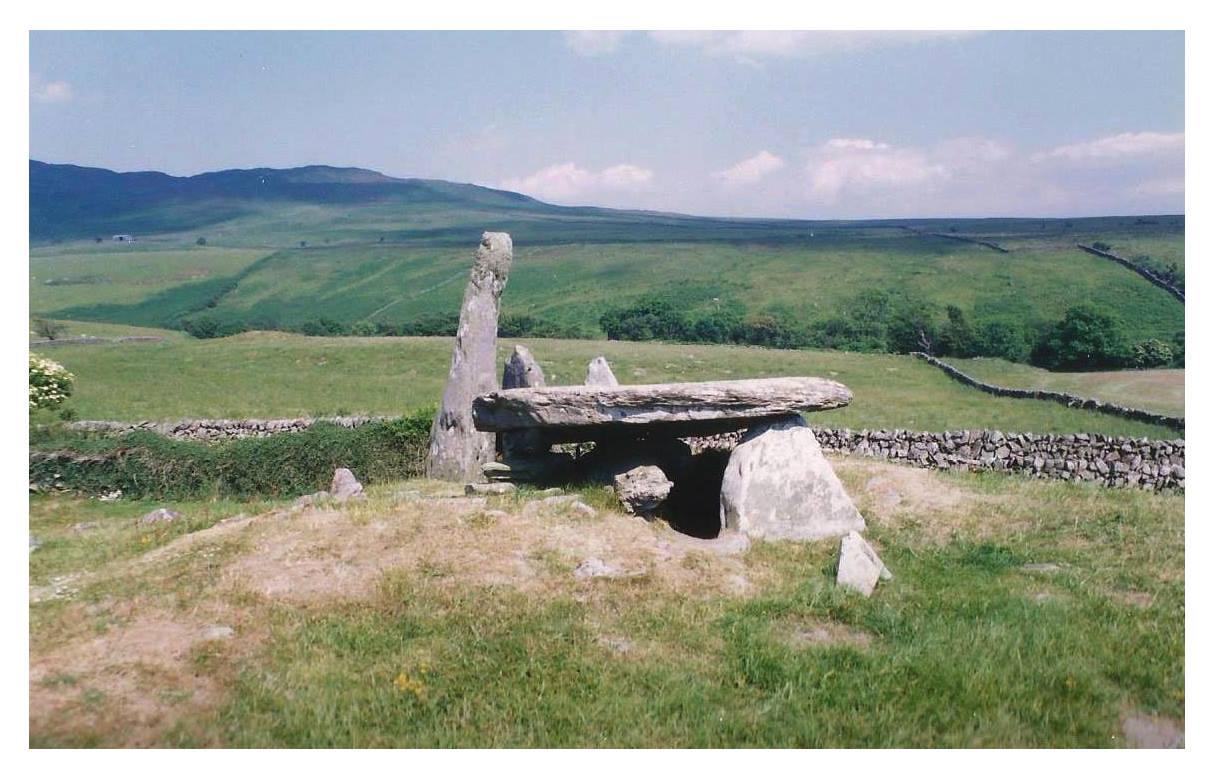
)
(123, 238)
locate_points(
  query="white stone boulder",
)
(598, 373)
(859, 565)
(642, 489)
(779, 486)
(345, 486)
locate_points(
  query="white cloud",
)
(858, 165)
(50, 91)
(751, 170)
(568, 181)
(748, 45)
(592, 43)
(1116, 147)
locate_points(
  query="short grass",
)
(276, 375)
(81, 275)
(963, 648)
(1161, 391)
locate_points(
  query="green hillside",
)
(328, 250)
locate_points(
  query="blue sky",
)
(814, 125)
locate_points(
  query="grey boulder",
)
(859, 566)
(345, 486)
(779, 486)
(642, 489)
(159, 516)
(598, 373)
(522, 370)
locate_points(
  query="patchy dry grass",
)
(420, 617)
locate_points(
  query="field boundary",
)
(1137, 268)
(1069, 400)
(1103, 459)
(990, 244)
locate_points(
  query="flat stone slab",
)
(574, 413)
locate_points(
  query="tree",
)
(1002, 339)
(957, 338)
(1152, 353)
(1085, 339)
(201, 241)
(49, 330)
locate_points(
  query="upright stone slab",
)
(522, 371)
(457, 449)
(598, 373)
(778, 485)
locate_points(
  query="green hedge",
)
(152, 466)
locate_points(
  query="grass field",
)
(573, 284)
(411, 621)
(1161, 391)
(277, 375)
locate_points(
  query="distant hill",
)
(267, 206)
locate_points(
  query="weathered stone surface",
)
(495, 488)
(597, 568)
(457, 449)
(345, 486)
(598, 373)
(859, 565)
(642, 489)
(522, 370)
(778, 485)
(572, 413)
(159, 516)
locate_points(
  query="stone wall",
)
(1146, 273)
(1104, 459)
(1071, 400)
(1112, 461)
(217, 429)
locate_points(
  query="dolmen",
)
(775, 484)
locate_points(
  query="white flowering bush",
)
(50, 383)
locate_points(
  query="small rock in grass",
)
(160, 516)
(578, 506)
(617, 643)
(82, 527)
(218, 632)
(495, 488)
(859, 566)
(111, 496)
(35, 543)
(597, 568)
(308, 500)
(345, 486)
(1041, 567)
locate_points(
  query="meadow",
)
(280, 375)
(1161, 391)
(571, 285)
(1045, 614)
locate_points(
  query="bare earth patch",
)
(826, 633)
(1145, 731)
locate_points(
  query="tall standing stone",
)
(457, 450)
(598, 373)
(522, 371)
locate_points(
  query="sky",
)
(777, 124)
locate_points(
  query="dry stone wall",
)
(1070, 400)
(1112, 461)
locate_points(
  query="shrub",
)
(1003, 339)
(50, 383)
(1085, 339)
(147, 465)
(1152, 353)
(50, 330)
